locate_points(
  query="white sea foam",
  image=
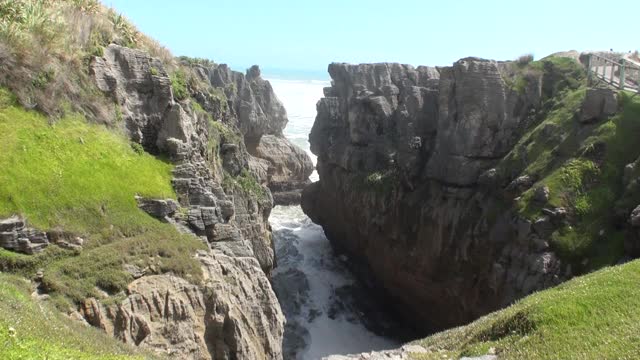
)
(328, 333)
(305, 255)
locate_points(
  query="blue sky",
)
(309, 34)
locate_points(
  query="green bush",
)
(179, 85)
(524, 60)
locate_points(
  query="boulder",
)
(541, 194)
(15, 235)
(158, 208)
(287, 167)
(598, 105)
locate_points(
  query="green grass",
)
(83, 179)
(584, 175)
(34, 330)
(591, 317)
(75, 175)
(161, 251)
(245, 182)
(179, 84)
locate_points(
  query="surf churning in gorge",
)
(328, 311)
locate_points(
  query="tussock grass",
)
(590, 317)
(46, 47)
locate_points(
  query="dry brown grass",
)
(46, 47)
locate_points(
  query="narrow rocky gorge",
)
(228, 150)
(421, 173)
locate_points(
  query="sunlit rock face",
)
(233, 313)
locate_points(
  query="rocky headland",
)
(456, 190)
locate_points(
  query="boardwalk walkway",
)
(618, 73)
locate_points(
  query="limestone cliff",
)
(234, 313)
(424, 176)
(256, 111)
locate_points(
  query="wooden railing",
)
(619, 73)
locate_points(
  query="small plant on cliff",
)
(137, 148)
(245, 182)
(190, 61)
(249, 184)
(381, 181)
(179, 85)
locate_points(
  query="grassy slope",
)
(584, 171)
(582, 164)
(590, 317)
(83, 178)
(75, 175)
(33, 330)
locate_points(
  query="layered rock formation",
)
(16, 235)
(141, 86)
(234, 314)
(409, 188)
(256, 111)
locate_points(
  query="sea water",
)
(328, 311)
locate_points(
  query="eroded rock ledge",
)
(409, 191)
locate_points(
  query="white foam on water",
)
(324, 273)
(322, 269)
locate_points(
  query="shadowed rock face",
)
(405, 158)
(234, 313)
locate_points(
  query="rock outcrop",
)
(599, 104)
(16, 235)
(234, 314)
(142, 88)
(403, 353)
(409, 189)
(255, 109)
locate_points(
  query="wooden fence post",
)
(622, 66)
(589, 68)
